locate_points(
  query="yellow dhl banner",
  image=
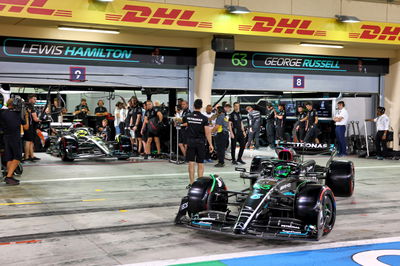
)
(187, 18)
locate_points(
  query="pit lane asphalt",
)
(111, 212)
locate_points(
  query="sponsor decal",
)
(212, 20)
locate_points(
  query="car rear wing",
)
(302, 148)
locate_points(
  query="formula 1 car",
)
(288, 198)
(80, 143)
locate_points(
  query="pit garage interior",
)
(122, 212)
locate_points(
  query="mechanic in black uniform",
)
(301, 123)
(81, 112)
(136, 122)
(238, 134)
(182, 132)
(312, 130)
(101, 112)
(254, 118)
(56, 110)
(10, 122)
(197, 132)
(280, 120)
(152, 120)
(30, 134)
(270, 125)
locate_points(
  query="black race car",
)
(288, 198)
(80, 143)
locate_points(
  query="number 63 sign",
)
(77, 74)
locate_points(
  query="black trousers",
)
(270, 129)
(279, 132)
(221, 140)
(381, 145)
(239, 138)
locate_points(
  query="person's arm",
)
(138, 119)
(370, 120)
(160, 116)
(231, 130)
(316, 120)
(207, 129)
(77, 110)
(35, 117)
(304, 119)
(26, 125)
(144, 124)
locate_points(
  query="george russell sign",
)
(16, 49)
(241, 60)
(129, 13)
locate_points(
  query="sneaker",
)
(146, 157)
(379, 158)
(189, 186)
(234, 162)
(241, 161)
(11, 181)
(210, 161)
(219, 165)
(35, 159)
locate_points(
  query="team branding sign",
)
(188, 18)
(121, 55)
(307, 63)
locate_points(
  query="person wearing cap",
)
(312, 130)
(382, 128)
(341, 117)
(81, 112)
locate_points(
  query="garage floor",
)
(113, 212)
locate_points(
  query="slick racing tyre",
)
(205, 194)
(315, 205)
(340, 178)
(65, 158)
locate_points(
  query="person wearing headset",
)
(382, 127)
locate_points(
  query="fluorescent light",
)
(347, 19)
(105, 0)
(68, 28)
(237, 9)
(323, 45)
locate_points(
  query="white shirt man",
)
(382, 122)
(341, 117)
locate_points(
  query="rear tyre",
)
(315, 205)
(340, 178)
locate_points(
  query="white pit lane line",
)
(166, 175)
(266, 252)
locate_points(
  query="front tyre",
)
(315, 205)
(340, 178)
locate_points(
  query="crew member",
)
(382, 126)
(30, 134)
(136, 123)
(312, 130)
(270, 125)
(81, 112)
(254, 118)
(301, 123)
(56, 110)
(209, 113)
(280, 117)
(101, 112)
(197, 132)
(182, 132)
(152, 120)
(222, 137)
(10, 122)
(341, 117)
(238, 134)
